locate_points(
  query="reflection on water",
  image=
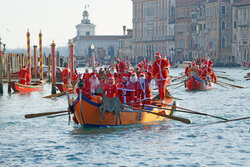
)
(51, 141)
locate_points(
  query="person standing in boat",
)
(28, 77)
(74, 78)
(208, 62)
(160, 73)
(65, 75)
(120, 66)
(143, 88)
(110, 88)
(21, 75)
(125, 91)
(86, 75)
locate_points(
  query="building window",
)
(223, 10)
(87, 33)
(204, 26)
(223, 25)
(235, 24)
(223, 43)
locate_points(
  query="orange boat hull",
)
(90, 115)
(27, 88)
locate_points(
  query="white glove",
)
(92, 91)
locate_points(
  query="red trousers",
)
(162, 87)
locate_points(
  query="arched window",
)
(223, 42)
(223, 25)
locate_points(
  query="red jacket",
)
(85, 77)
(74, 77)
(110, 90)
(158, 69)
(146, 92)
(65, 73)
(120, 67)
(126, 93)
(208, 62)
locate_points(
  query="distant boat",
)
(184, 64)
(195, 83)
(34, 86)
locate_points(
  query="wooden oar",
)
(179, 86)
(175, 84)
(219, 71)
(43, 114)
(220, 85)
(225, 78)
(184, 120)
(58, 94)
(57, 115)
(230, 120)
(191, 112)
(231, 85)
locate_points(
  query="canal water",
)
(52, 142)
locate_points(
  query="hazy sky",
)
(57, 19)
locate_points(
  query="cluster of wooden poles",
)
(11, 63)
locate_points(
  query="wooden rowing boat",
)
(35, 86)
(62, 87)
(195, 83)
(91, 115)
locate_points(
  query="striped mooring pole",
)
(71, 47)
(28, 51)
(40, 56)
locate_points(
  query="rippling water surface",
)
(51, 141)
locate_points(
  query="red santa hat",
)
(133, 73)
(101, 69)
(111, 77)
(158, 55)
(24, 66)
(124, 76)
(142, 74)
(112, 69)
(117, 59)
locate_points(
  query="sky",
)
(57, 19)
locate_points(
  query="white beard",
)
(142, 80)
(133, 79)
(112, 72)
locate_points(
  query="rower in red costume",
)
(160, 73)
(187, 70)
(143, 88)
(28, 77)
(21, 75)
(110, 87)
(125, 91)
(86, 75)
(65, 75)
(208, 62)
(74, 77)
(203, 72)
(120, 66)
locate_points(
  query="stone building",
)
(125, 50)
(185, 29)
(241, 31)
(153, 28)
(106, 46)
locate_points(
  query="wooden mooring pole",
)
(53, 60)
(9, 72)
(1, 66)
(40, 56)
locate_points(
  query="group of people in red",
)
(25, 76)
(201, 68)
(129, 85)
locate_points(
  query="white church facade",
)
(106, 46)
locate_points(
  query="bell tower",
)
(85, 28)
